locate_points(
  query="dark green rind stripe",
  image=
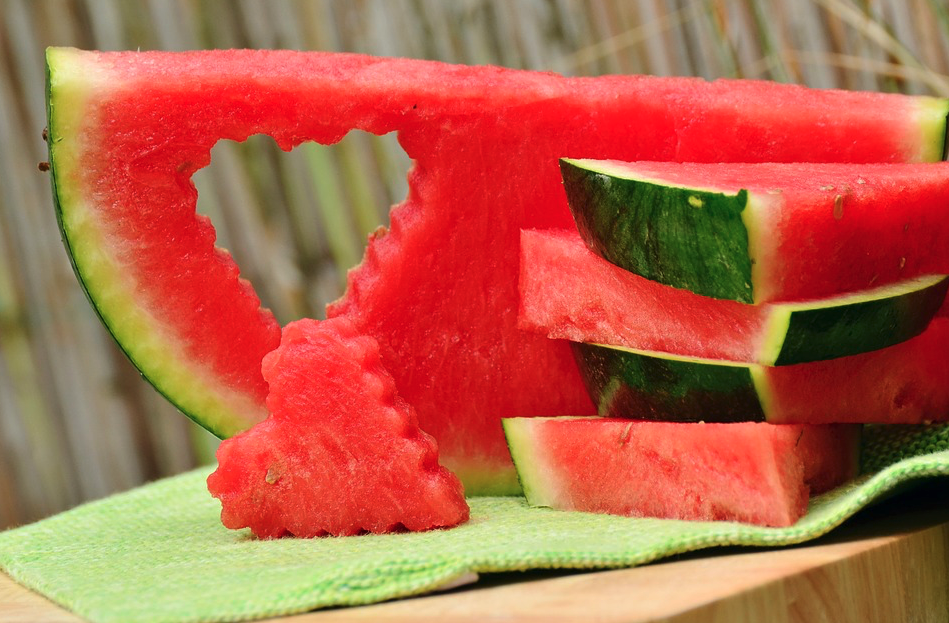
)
(945, 135)
(633, 385)
(686, 238)
(859, 327)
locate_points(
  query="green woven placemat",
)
(159, 553)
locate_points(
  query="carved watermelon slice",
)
(764, 232)
(748, 472)
(340, 454)
(439, 291)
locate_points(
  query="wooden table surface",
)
(888, 564)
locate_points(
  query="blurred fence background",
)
(77, 422)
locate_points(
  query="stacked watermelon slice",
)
(753, 302)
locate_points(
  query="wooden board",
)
(888, 564)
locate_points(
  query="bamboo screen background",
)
(76, 420)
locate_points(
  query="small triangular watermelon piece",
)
(340, 454)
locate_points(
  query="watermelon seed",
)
(829, 187)
(45, 134)
(43, 166)
(860, 180)
(273, 474)
(902, 262)
(627, 432)
(838, 207)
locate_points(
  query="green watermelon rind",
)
(598, 194)
(851, 324)
(934, 126)
(520, 443)
(140, 338)
(625, 382)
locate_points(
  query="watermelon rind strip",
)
(651, 386)
(851, 323)
(666, 238)
(521, 446)
(934, 127)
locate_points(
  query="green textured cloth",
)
(159, 553)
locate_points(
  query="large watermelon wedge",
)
(763, 232)
(598, 302)
(439, 291)
(750, 472)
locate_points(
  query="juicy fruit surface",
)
(439, 290)
(748, 472)
(341, 453)
(791, 232)
(595, 301)
(902, 384)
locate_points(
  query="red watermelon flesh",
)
(748, 472)
(594, 301)
(439, 291)
(597, 302)
(341, 452)
(903, 384)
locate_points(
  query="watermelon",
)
(902, 384)
(748, 472)
(597, 302)
(439, 290)
(764, 232)
(341, 452)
